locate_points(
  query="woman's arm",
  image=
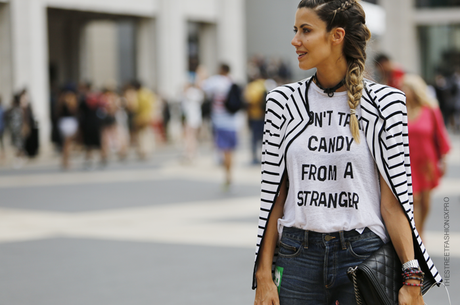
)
(266, 292)
(400, 233)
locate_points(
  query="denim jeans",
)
(314, 265)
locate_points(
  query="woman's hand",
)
(266, 293)
(410, 295)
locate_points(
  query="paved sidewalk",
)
(154, 232)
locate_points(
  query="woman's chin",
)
(304, 66)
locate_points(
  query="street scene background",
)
(112, 189)
(155, 233)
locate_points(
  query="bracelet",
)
(413, 278)
(413, 271)
(418, 275)
(413, 274)
(410, 264)
(411, 284)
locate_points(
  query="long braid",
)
(354, 83)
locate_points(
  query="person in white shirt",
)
(336, 182)
(191, 103)
(224, 123)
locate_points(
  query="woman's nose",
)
(295, 41)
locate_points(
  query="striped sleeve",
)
(272, 164)
(391, 147)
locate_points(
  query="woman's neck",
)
(331, 75)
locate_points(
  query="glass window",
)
(440, 49)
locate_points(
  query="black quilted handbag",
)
(378, 279)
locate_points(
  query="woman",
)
(192, 100)
(106, 112)
(18, 128)
(335, 169)
(67, 123)
(429, 143)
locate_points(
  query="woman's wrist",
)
(264, 275)
(410, 264)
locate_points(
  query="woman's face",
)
(312, 42)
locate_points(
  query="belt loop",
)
(306, 240)
(342, 240)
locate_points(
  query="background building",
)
(45, 43)
(270, 30)
(421, 35)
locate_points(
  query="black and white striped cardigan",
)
(384, 119)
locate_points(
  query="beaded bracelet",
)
(405, 275)
(413, 268)
(413, 278)
(413, 272)
(411, 284)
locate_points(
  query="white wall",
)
(231, 32)
(30, 58)
(161, 49)
(146, 52)
(201, 10)
(100, 53)
(6, 76)
(225, 17)
(171, 48)
(400, 38)
(209, 54)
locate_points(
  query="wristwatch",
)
(410, 264)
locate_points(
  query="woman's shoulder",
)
(284, 92)
(384, 98)
(380, 90)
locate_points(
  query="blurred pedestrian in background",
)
(31, 143)
(2, 128)
(90, 123)
(428, 143)
(67, 112)
(389, 73)
(254, 95)
(19, 129)
(456, 114)
(205, 132)
(446, 89)
(191, 104)
(272, 68)
(224, 123)
(122, 129)
(129, 97)
(142, 117)
(108, 107)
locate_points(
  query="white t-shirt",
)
(193, 98)
(333, 181)
(217, 87)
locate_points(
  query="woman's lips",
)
(301, 55)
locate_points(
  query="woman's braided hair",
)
(349, 15)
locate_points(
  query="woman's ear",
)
(338, 35)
